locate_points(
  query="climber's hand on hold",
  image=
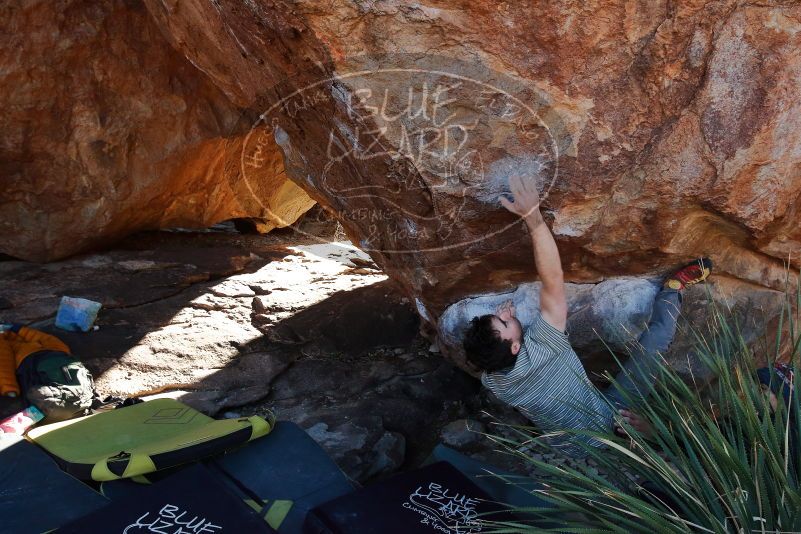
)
(525, 200)
(526, 204)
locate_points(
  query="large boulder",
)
(657, 132)
(610, 313)
(605, 319)
(107, 130)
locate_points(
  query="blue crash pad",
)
(283, 475)
(516, 492)
(435, 499)
(37, 496)
(190, 502)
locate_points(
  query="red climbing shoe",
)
(692, 273)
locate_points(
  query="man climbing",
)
(537, 371)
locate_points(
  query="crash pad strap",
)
(134, 465)
(277, 512)
(273, 512)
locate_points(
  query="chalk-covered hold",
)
(612, 311)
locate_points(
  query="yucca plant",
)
(718, 459)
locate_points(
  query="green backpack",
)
(56, 383)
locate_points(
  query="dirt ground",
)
(301, 325)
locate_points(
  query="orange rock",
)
(107, 130)
(658, 132)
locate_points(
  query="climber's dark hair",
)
(484, 347)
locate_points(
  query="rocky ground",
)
(305, 328)
(301, 325)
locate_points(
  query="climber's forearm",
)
(553, 304)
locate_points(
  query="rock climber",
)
(537, 371)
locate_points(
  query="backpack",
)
(56, 383)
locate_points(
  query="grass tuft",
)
(719, 459)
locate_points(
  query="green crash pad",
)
(141, 438)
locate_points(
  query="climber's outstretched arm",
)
(526, 203)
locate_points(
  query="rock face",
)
(655, 131)
(611, 312)
(607, 317)
(108, 130)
